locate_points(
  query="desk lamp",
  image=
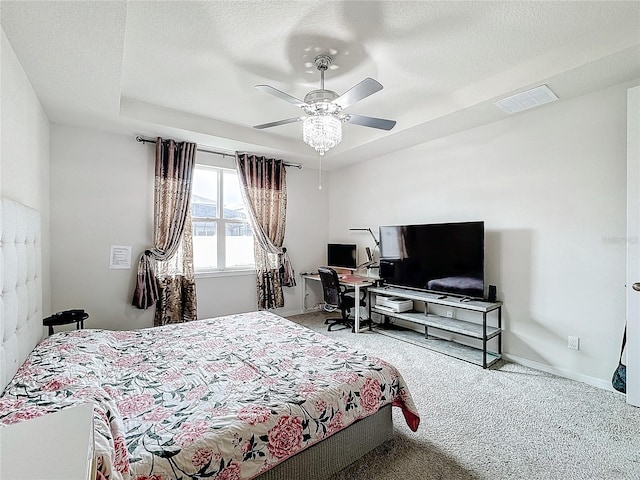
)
(370, 262)
(367, 230)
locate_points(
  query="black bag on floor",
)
(619, 380)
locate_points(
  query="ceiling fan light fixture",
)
(322, 132)
(322, 127)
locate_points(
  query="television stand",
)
(466, 338)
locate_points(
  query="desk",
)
(357, 285)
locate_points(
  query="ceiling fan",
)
(322, 125)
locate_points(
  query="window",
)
(222, 237)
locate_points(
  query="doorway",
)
(633, 246)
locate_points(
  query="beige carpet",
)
(509, 422)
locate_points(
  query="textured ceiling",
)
(188, 69)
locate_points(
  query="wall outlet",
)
(450, 314)
(574, 343)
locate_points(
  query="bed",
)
(243, 396)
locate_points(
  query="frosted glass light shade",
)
(322, 132)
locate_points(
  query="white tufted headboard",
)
(20, 286)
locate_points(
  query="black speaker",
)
(492, 293)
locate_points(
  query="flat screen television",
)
(342, 255)
(439, 257)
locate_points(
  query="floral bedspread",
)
(222, 398)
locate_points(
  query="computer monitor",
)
(342, 255)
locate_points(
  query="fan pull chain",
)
(320, 174)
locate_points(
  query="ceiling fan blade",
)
(279, 122)
(280, 94)
(373, 122)
(366, 87)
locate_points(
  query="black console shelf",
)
(467, 328)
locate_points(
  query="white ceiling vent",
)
(531, 98)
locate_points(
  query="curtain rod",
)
(140, 139)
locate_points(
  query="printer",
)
(393, 304)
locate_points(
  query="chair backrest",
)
(330, 286)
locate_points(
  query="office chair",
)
(335, 295)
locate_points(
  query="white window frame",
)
(221, 224)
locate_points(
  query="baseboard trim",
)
(561, 372)
(287, 313)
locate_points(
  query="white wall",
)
(102, 195)
(100, 186)
(24, 150)
(550, 186)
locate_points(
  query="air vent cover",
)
(531, 98)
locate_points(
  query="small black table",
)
(65, 318)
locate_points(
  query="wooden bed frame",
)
(21, 325)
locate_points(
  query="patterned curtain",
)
(165, 272)
(264, 188)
